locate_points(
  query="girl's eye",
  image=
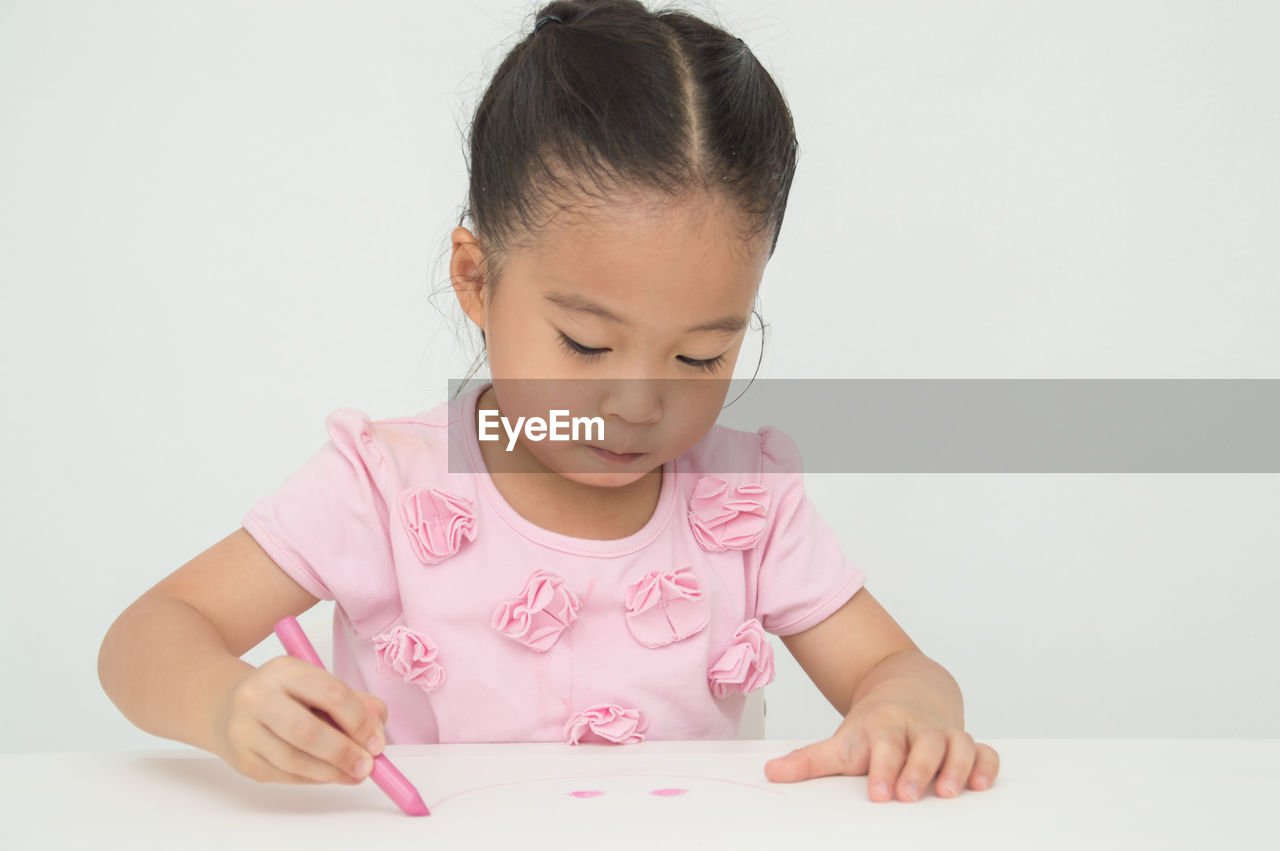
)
(707, 364)
(579, 349)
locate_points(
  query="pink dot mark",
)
(586, 793)
(667, 793)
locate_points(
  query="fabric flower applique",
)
(724, 519)
(606, 721)
(545, 607)
(665, 606)
(411, 655)
(746, 665)
(437, 522)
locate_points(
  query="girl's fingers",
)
(926, 754)
(381, 708)
(297, 763)
(312, 747)
(888, 752)
(378, 709)
(358, 733)
(275, 761)
(957, 765)
(986, 764)
(318, 688)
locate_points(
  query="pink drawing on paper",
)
(699, 782)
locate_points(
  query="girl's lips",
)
(614, 456)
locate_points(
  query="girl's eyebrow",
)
(582, 304)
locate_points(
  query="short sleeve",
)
(327, 524)
(801, 573)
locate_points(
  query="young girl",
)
(629, 174)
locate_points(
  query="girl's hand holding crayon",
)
(267, 726)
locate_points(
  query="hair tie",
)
(543, 20)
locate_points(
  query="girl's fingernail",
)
(375, 744)
(882, 789)
(362, 768)
(911, 791)
(980, 783)
(946, 789)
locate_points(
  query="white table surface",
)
(1051, 793)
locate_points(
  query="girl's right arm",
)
(170, 662)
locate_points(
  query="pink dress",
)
(475, 625)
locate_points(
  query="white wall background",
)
(219, 221)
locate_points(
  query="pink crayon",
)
(386, 775)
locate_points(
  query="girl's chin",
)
(586, 470)
(582, 465)
(603, 480)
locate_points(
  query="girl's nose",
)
(633, 400)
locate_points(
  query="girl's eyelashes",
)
(579, 349)
(707, 365)
(576, 348)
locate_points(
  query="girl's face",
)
(635, 315)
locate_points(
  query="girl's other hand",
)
(895, 745)
(265, 725)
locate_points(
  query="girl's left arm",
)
(903, 713)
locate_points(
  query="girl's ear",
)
(466, 276)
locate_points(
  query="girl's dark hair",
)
(616, 98)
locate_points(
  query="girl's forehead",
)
(708, 215)
(647, 284)
(700, 245)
